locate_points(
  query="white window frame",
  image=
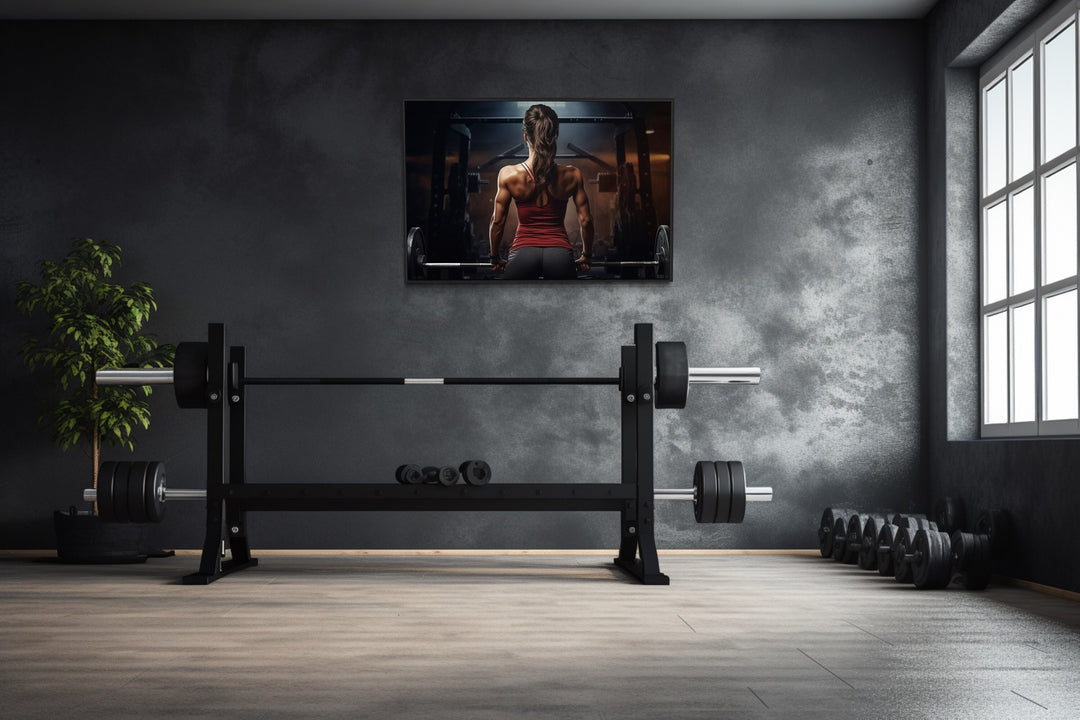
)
(1027, 44)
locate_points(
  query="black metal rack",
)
(230, 497)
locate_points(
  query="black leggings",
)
(532, 263)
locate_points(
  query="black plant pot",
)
(83, 538)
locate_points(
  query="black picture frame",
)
(454, 150)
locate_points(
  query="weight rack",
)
(229, 496)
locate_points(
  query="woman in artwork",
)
(540, 189)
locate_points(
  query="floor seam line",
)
(827, 669)
(1029, 700)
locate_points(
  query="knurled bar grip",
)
(164, 376)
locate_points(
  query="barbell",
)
(137, 492)
(189, 377)
(418, 264)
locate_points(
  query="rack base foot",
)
(227, 568)
(637, 569)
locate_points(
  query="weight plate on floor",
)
(979, 563)
(475, 472)
(885, 540)
(995, 525)
(105, 492)
(189, 374)
(901, 547)
(825, 529)
(738, 491)
(705, 492)
(931, 567)
(136, 492)
(839, 548)
(120, 491)
(154, 492)
(949, 514)
(868, 542)
(854, 537)
(672, 375)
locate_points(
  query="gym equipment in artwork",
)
(915, 550)
(658, 266)
(212, 376)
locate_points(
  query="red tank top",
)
(541, 225)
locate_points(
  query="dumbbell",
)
(473, 472)
(908, 527)
(972, 558)
(868, 541)
(949, 514)
(826, 529)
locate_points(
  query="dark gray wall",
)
(1035, 480)
(253, 175)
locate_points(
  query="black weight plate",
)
(409, 474)
(902, 545)
(136, 492)
(825, 529)
(949, 514)
(854, 537)
(105, 491)
(448, 475)
(931, 566)
(885, 540)
(416, 253)
(154, 492)
(995, 525)
(868, 542)
(430, 474)
(705, 492)
(839, 548)
(189, 375)
(738, 491)
(724, 492)
(120, 491)
(672, 375)
(662, 252)
(902, 519)
(475, 472)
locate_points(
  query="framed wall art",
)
(538, 190)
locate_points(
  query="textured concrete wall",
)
(1035, 480)
(253, 175)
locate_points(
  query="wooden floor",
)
(548, 635)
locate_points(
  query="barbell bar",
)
(416, 252)
(137, 492)
(672, 380)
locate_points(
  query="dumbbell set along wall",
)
(212, 376)
(928, 553)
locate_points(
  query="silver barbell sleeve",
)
(753, 494)
(134, 376)
(707, 376)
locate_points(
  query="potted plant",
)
(92, 323)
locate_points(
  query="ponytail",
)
(541, 127)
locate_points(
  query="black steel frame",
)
(230, 497)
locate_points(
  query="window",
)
(1028, 217)
(1028, 220)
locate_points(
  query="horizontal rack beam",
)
(394, 496)
(430, 381)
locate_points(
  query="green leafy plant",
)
(92, 323)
